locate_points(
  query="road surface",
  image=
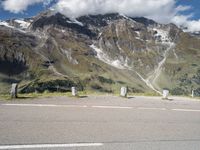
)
(100, 123)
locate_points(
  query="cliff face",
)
(101, 52)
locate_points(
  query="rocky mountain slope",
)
(97, 52)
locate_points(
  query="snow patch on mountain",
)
(105, 58)
(161, 35)
(23, 24)
(68, 54)
(126, 17)
(74, 21)
(138, 36)
(138, 33)
(6, 24)
(175, 54)
(117, 42)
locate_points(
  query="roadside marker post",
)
(74, 91)
(13, 90)
(193, 94)
(123, 91)
(165, 94)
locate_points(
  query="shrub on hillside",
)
(178, 91)
(105, 80)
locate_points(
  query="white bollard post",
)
(123, 92)
(13, 90)
(165, 94)
(74, 91)
(192, 93)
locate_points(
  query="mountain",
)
(51, 52)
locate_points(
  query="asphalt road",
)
(100, 123)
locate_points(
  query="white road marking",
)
(186, 110)
(100, 107)
(67, 106)
(148, 108)
(112, 107)
(50, 146)
(45, 105)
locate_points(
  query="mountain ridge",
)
(137, 52)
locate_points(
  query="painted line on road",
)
(66, 106)
(46, 105)
(186, 110)
(112, 107)
(148, 108)
(99, 107)
(8, 147)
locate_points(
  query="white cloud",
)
(193, 25)
(189, 25)
(183, 8)
(162, 11)
(18, 6)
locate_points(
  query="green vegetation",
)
(53, 85)
(187, 84)
(105, 80)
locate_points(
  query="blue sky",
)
(180, 12)
(32, 11)
(36, 8)
(195, 4)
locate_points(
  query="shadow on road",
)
(130, 97)
(168, 99)
(24, 97)
(82, 96)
